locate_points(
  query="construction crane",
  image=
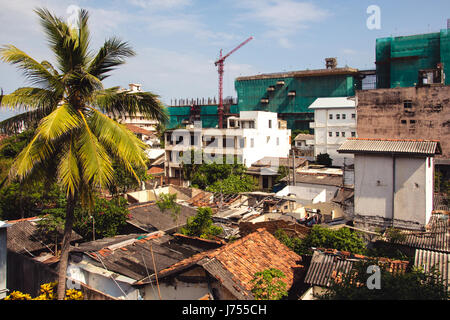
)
(219, 63)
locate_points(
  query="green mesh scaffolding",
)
(399, 59)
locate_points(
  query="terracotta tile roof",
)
(155, 171)
(235, 264)
(328, 265)
(303, 136)
(399, 146)
(136, 129)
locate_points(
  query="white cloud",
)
(282, 18)
(174, 74)
(160, 4)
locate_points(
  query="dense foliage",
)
(321, 237)
(267, 285)
(324, 159)
(413, 285)
(106, 218)
(201, 225)
(233, 184)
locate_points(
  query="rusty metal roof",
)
(328, 265)
(428, 260)
(397, 146)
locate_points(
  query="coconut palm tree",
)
(75, 141)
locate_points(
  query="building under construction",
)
(406, 61)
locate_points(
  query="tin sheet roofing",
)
(436, 237)
(405, 146)
(428, 260)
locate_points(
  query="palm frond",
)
(36, 152)
(35, 72)
(29, 98)
(64, 40)
(68, 170)
(123, 103)
(59, 122)
(116, 137)
(95, 161)
(111, 55)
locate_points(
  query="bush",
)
(201, 225)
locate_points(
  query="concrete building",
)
(248, 138)
(334, 122)
(138, 119)
(406, 113)
(393, 181)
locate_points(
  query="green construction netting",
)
(399, 59)
(281, 98)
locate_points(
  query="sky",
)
(177, 41)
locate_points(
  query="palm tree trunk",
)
(63, 261)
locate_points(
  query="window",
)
(268, 139)
(337, 134)
(251, 124)
(412, 121)
(270, 124)
(331, 116)
(338, 116)
(353, 115)
(330, 134)
(252, 143)
(407, 104)
(403, 121)
(343, 116)
(278, 141)
(343, 133)
(353, 134)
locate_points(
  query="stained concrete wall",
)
(381, 114)
(375, 195)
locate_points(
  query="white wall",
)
(373, 186)
(310, 192)
(322, 125)
(413, 187)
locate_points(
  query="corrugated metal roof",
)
(428, 260)
(338, 102)
(328, 265)
(324, 266)
(405, 146)
(436, 237)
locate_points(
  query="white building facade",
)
(334, 122)
(393, 181)
(138, 119)
(248, 138)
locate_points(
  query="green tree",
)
(321, 237)
(75, 141)
(413, 285)
(201, 225)
(267, 285)
(324, 159)
(233, 184)
(104, 220)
